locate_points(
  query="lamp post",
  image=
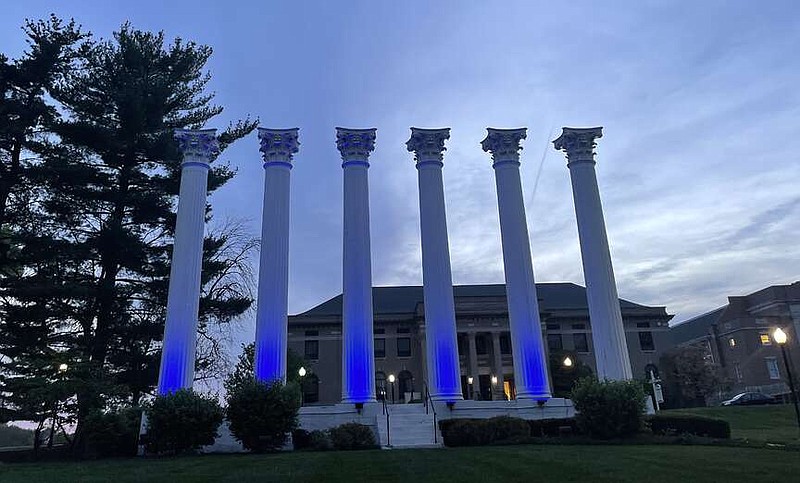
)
(494, 387)
(391, 381)
(470, 389)
(302, 373)
(780, 337)
(568, 361)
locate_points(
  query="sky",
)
(700, 103)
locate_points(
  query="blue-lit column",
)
(608, 333)
(183, 301)
(530, 363)
(358, 360)
(277, 149)
(441, 344)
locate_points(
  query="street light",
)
(302, 373)
(568, 361)
(470, 389)
(780, 338)
(391, 381)
(63, 367)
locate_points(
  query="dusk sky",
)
(700, 103)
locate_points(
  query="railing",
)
(388, 427)
(428, 401)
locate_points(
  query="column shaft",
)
(277, 147)
(497, 355)
(183, 299)
(473, 365)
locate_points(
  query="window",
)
(404, 347)
(737, 371)
(554, 342)
(505, 343)
(312, 350)
(312, 333)
(642, 325)
(732, 342)
(380, 347)
(310, 389)
(380, 385)
(580, 342)
(578, 326)
(553, 326)
(772, 367)
(403, 330)
(646, 341)
(481, 347)
(765, 338)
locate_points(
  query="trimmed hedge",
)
(608, 409)
(688, 424)
(352, 436)
(553, 427)
(500, 430)
(181, 421)
(112, 433)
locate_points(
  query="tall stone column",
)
(530, 361)
(358, 354)
(277, 149)
(183, 300)
(440, 320)
(608, 333)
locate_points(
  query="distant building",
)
(484, 342)
(738, 336)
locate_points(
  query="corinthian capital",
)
(503, 144)
(355, 144)
(428, 144)
(197, 145)
(578, 143)
(278, 145)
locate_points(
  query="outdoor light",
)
(469, 380)
(494, 379)
(302, 372)
(567, 362)
(779, 335)
(63, 367)
(391, 378)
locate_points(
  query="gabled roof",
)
(696, 327)
(404, 299)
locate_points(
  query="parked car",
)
(750, 399)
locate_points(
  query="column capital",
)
(428, 144)
(197, 145)
(278, 145)
(504, 144)
(578, 143)
(355, 145)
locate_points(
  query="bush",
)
(507, 429)
(479, 432)
(320, 440)
(261, 414)
(181, 421)
(301, 439)
(608, 409)
(112, 433)
(352, 436)
(694, 425)
(552, 427)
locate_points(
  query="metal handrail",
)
(433, 408)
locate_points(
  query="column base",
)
(534, 395)
(358, 400)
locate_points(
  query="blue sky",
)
(698, 167)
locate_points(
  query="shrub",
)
(113, 433)
(688, 424)
(320, 440)
(352, 436)
(552, 427)
(262, 414)
(181, 421)
(301, 439)
(608, 409)
(507, 429)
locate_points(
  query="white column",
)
(440, 321)
(183, 301)
(608, 333)
(530, 361)
(277, 149)
(358, 359)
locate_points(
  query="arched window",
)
(380, 385)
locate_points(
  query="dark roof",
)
(695, 328)
(404, 299)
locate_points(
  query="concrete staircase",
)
(409, 427)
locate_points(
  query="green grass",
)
(759, 423)
(524, 463)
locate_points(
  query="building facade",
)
(738, 337)
(484, 341)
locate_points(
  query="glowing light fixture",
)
(494, 379)
(469, 380)
(302, 372)
(391, 378)
(567, 362)
(63, 367)
(779, 335)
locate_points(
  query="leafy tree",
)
(262, 414)
(91, 290)
(694, 372)
(181, 421)
(243, 371)
(608, 409)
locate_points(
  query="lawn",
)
(761, 423)
(523, 463)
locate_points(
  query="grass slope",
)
(507, 463)
(761, 423)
